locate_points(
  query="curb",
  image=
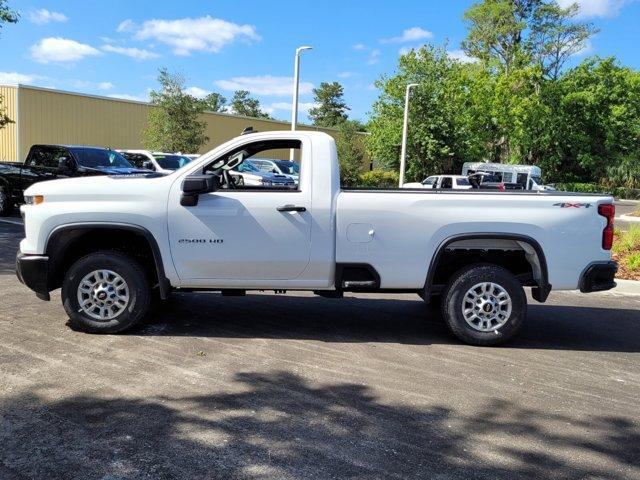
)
(626, 287)
(629, 218)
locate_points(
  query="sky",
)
(115, 48)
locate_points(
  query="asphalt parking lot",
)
(295, 386)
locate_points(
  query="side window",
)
(447, 182)
(430, 181)
(48, 156)
(242, 168)
(522, 178)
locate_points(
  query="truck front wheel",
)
(105, 292)
(484, 305)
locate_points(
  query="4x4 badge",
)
(572, 205)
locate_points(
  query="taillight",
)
(501, 187)
(607, 210)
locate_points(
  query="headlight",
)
(33, 199)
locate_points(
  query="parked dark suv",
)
(48, 162)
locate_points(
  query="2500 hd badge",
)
(201, 240)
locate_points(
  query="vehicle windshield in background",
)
(171, 162)
(537, 180)
(288, 167)
(462, 181)
(247, 167)
(99, 158)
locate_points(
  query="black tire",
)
(6, 204)
(454, 296)
(138, 291)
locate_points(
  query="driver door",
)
(243, 234)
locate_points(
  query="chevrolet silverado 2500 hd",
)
(115, 244)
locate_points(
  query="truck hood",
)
(117, 170)
(99, 184)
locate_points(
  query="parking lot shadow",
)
(9, 247)
(404, 321)
(277, 425)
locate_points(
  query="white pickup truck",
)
(117, 244)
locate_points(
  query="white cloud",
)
(105, 86)
(56, 49)
(345, 74)
(460, 56)
(359, 46)
(43, 16)
(197, 92)
(137, 53)
(127, 96)
(595, 8)
(264, 85)
(374, 57)
(15, 77)
(304, 107)
(126, 26)
(412, 34)
(187, 35)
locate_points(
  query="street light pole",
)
(294, 101)
(405, 128)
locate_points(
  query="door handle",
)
(291, 208)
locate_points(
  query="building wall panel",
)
(8, 134)
(51, 116)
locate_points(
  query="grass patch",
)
(626, 250)
(633, 262)
(627, 242)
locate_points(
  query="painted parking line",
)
(12, 222)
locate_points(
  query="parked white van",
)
(529, 176)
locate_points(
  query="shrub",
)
(580, 187)
(378, 179)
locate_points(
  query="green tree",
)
(599, 112)
(7, 15)
(351, 153)
(511, 34)
(243, 104)
(214, 102)
(448, 120)
(331, 109)
(173, 124)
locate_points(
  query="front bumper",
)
(32, 270)
(598, 277)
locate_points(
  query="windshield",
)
(462, 181)
(289, 168)
(100, 158)
(537, 180)
(171, 162)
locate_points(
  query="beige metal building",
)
(43, 115)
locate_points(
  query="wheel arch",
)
(63, 237)
(531, 247)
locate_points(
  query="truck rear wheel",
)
(484, 305)
(105, 292)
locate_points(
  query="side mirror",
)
(274, 171)
(194, 185)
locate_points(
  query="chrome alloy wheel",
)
(486, 306)
(103, 294)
